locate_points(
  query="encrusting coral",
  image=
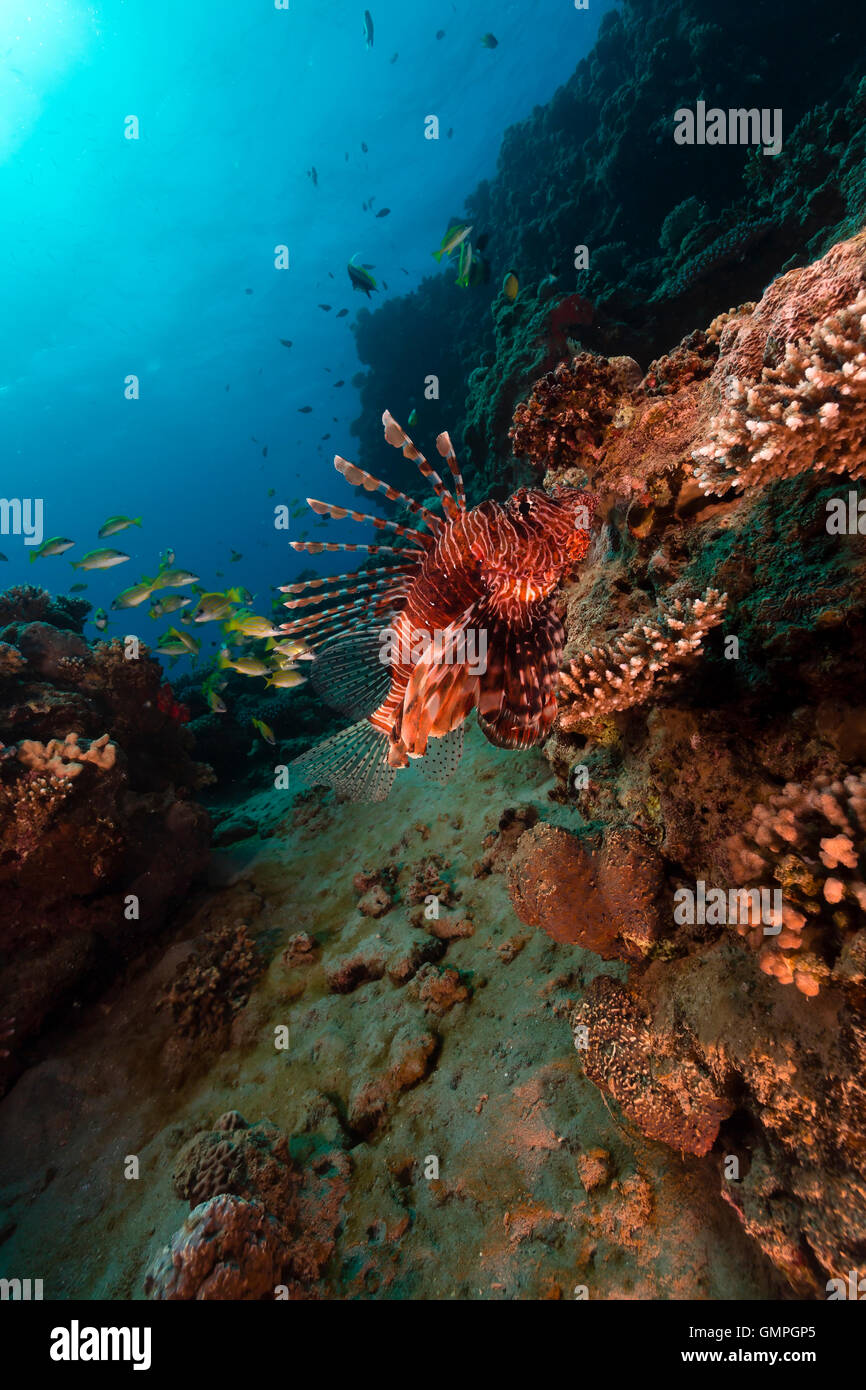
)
(811, 840)
(808, 414)
(631, 668)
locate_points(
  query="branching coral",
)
(807, 414)
(631, 668)
(812, 841)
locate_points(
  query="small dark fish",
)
(228, 388)
(272, 492)
(384, 212)
(247, 291)
(305, 409)
(394, 58)
(342, 314)
(326, 307)
(450, 132)
(326, 436)
(368, 28)
(331, 274)
(384, 284)
(364, 147)
(265, 452)
(314, 175)
(329, 370)
(347, 156)
(286, 342)
(341, 382)
(490, 41)
(364, 207)
(441, 34)
(404, 270)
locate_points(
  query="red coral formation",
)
(607, 903)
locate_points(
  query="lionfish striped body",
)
(458, 618)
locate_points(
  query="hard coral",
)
(566, 416)
(631, 668)
(658, 1084)
(807, 414)
(226, 1249)
(66, 759)
(211, 988)
(811, 840)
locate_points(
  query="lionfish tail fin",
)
(354, 762)
(397, 436)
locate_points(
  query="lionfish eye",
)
(525, 506)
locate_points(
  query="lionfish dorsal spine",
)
(399, 439)
(358, 477)
(446, 449)
(338, 513)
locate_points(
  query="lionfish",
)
(490, 569)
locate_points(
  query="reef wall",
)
(100, 834)
(668, 229)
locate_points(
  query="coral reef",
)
(262, 1225)
(99, 835)
(808, 414)
(607, 903)
(811, 840)
(658, 250)
(210, 988)
(632, 668)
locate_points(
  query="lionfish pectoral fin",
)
(517, 696)
(348, 674)
(438, 699)
(443, 755)
(354, 762)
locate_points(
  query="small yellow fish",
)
(245, 665)
(133, 596)
(252, 626)
(266, 732)
(55, 546)
(186, 638)
(115, 524)
(216, 704)
(174, 579)
(510, 286)
(100, 560)
(285, 680)
(212, 608)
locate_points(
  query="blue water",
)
(136, 256)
